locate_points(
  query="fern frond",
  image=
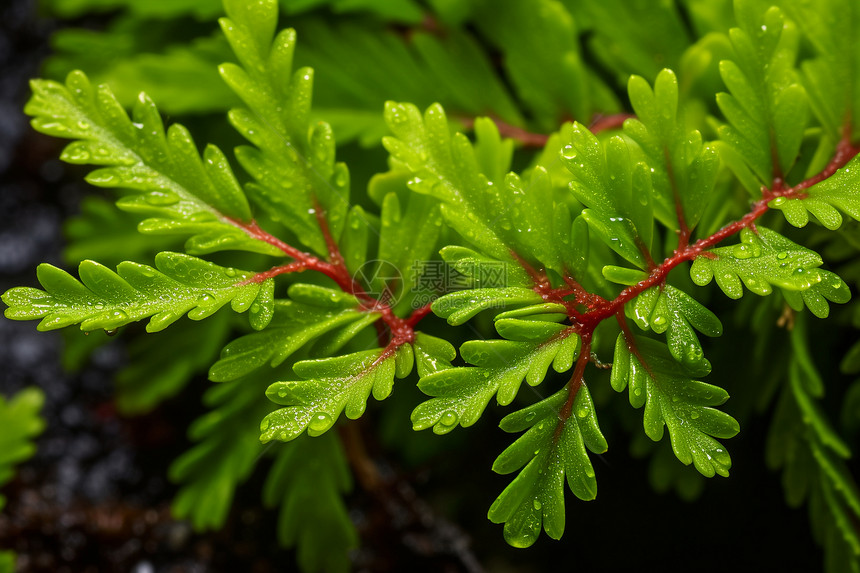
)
(308, 480)
(103, 299)
(169, 183)
(684, 168)
(292, 161)
(19, 417)
(535, 497)
(676, 313)
(672, 398)
(225, 454)
(767, 107)
(763, 259)
(617, 191)
(328, 387)
(825, 200)
(461, 394)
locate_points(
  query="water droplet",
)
(659, 320)
(230, 272)
(589, 472)
(264, 425)
(742, 251)
(206, 299)
(694, 415)
(320, 422)
(160, 198)
(536, 504)
(568, 152)
(637, 391)
(449, 418)
(111, 331)
(530, 416)
(582, 412)
(255, 308)
(282, 392)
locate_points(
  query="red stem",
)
(598, 309)
(399, 330)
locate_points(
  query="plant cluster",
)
(556, 249)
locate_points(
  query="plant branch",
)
(401, 330)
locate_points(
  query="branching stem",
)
(587, 310)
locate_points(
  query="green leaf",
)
(328, 386)
(617, 191)
(432, 354)
(148, 379)
(19, 417)
(458, 307)
(461, 394)
(308, 480)
(550, 76)
(107, 300)
(683, 169)
(293, 326)
(674, 400)
(762, 259)
(225, 454)
(767, 107)
(667, 309)
(179, 192)
(824, 200)
(550, 450)
(292, 160)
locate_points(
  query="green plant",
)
(19, 418)
(558, 259)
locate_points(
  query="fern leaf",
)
(328, 387)
(293, 326)
(535, 497)
(461, 394)
(616, 191)
(225, 454)
(148, 379)
(762, 259)
(497, 213)
(684, 169)
(21, 423)
(767, 107)
(830, 78)
(308, 480)
(104, 299)
(550, 75)
(676, 313)
(674, 400)
(179, 192)
(825, 200)
(292, 161)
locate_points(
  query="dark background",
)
(95, 497)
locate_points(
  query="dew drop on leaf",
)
(449, 418)
(536, 504)
(320, 422)
(530, 416)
